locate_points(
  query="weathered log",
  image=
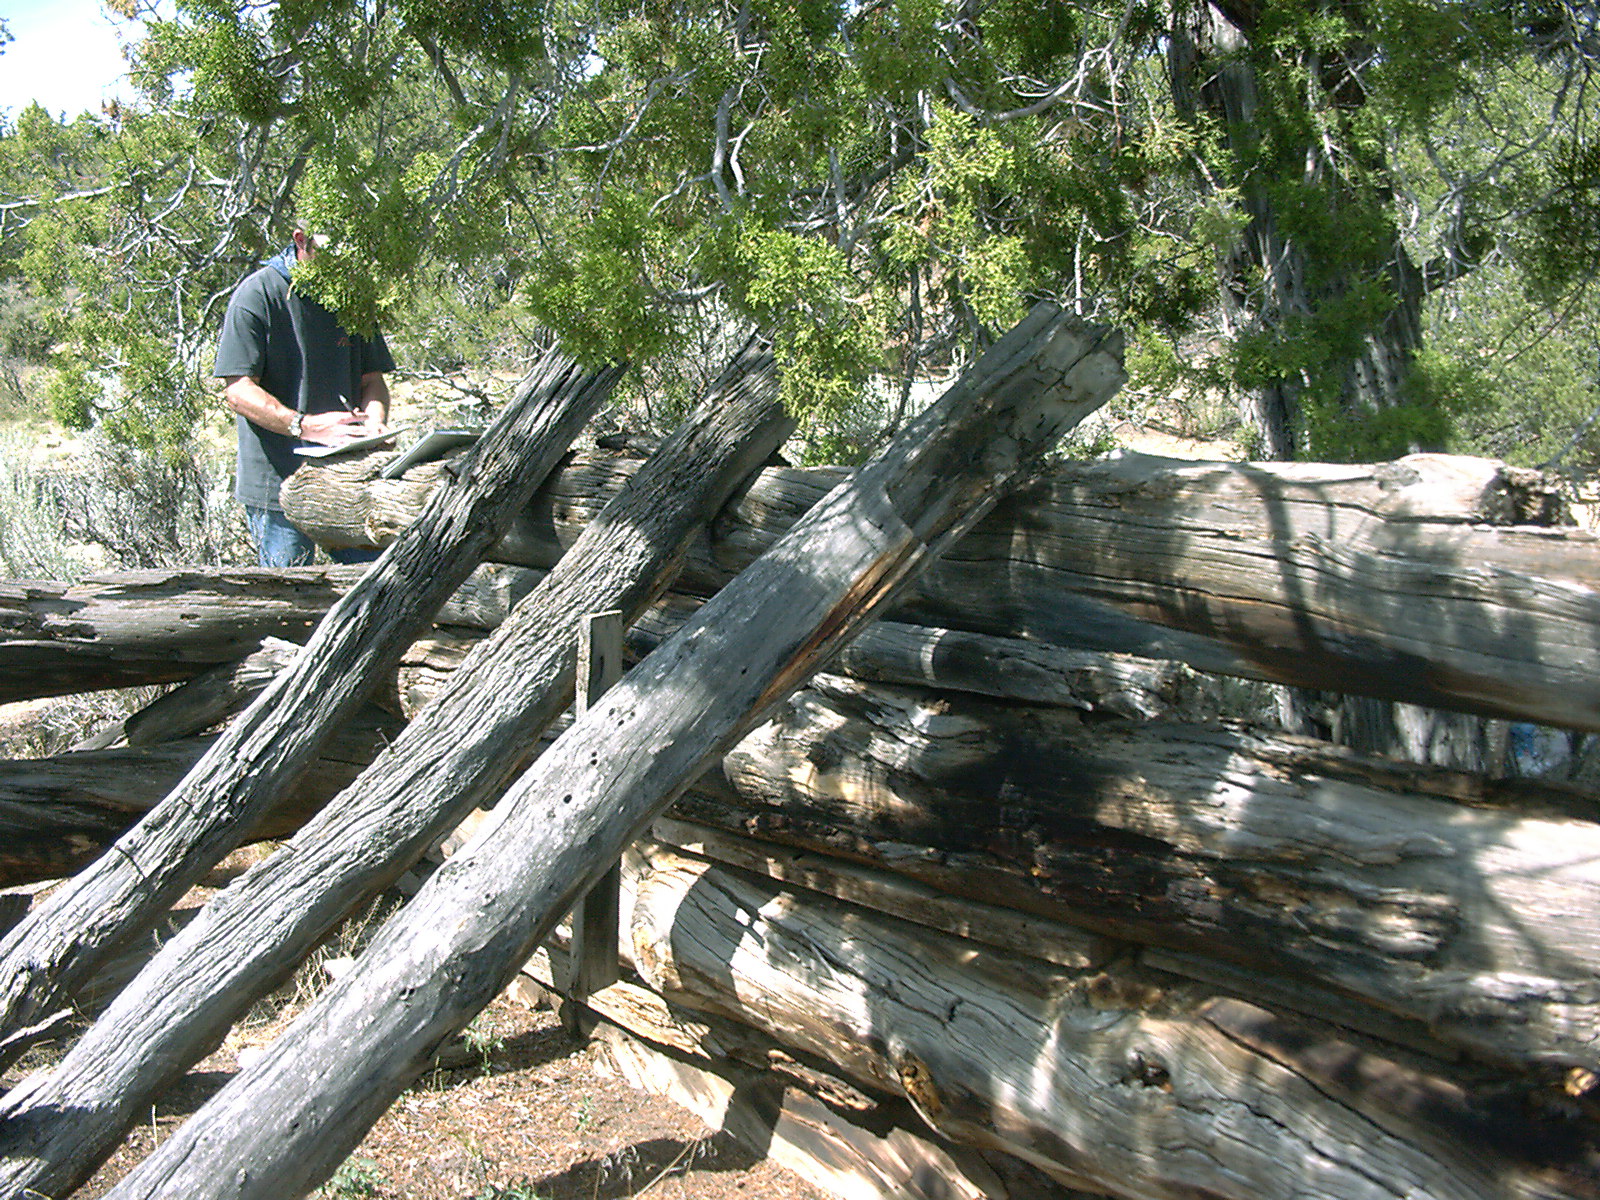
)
(1454, 887)
(458, 754)
(893, 895)
(1113, 1079)
(358, 643)
(59, 814)
(136, 628)
(281, 1126)
(793, 1128)
(1386, 580)
(794, 1111)
(1403, 581)
(1028, 934)
(886, 652)
(200, 703)
(143, 627)
(1466, 904)
(106, 798)
(984, 664)
(1005, 668)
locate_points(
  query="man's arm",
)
(245, 396)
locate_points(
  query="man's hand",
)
(335, 428)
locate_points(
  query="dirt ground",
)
(515, 1111)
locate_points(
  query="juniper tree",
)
(1269, 195)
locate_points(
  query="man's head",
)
(306, 244)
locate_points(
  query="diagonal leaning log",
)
(283, 1125)
(458, 753)
(359, 641)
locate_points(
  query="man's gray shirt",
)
(300, 354)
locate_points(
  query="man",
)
(293, 374)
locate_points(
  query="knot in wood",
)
(1147, 1071)
(917, 1080)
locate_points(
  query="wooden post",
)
(592, 963)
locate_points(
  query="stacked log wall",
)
(976, 916)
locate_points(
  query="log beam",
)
(1402, 581)
(57, 815)
(1112, 1080)
(1434, 580)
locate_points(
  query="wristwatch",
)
(294, 424)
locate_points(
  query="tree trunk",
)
(458, 754)
(1114, 1079)
(282, 1126)
(358, 643)
(1279, 288)
(1466, 906)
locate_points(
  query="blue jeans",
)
(280, 544)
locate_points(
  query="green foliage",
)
(356, 1177)
(483, 1039)
(70, 395)
(24, 327)
(1539, 371)
(591, 281)
(797, 289)
(504, 33)
(1442, 393)
(882, 187)
(521, 1189)
(1564, 249)
(373, 246)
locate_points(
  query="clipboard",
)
(428, 447)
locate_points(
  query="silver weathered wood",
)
(851, 1143)
(282, 1126)
(1113, 1079)
(200, 703)
(57, 815)
(596, 920)
(458, 755)
(893, 894)
(356, 645)
(1468, 906)
(1435, 580)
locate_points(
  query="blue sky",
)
(64, 54)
